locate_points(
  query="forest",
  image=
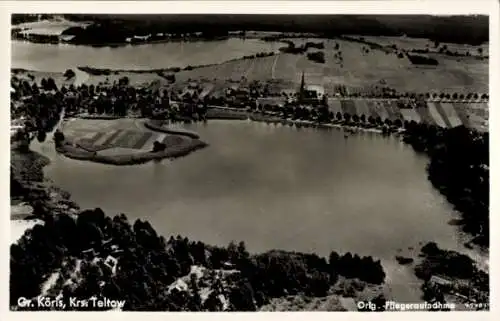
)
(115, 28)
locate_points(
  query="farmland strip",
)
(148, 145)
(372, 109)
(112, 137)
(144, 138)
(335, 106)
(104, 137)
(380, 110)
(362, 108)
(438, 120)
(410, 114)
(95, 138)
(348, 107)
(460, 109)
(122, 141)
(423, 111)
(443, 114)
(451, 114)
(134, 138)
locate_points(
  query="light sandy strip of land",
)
(362, 108)
(88, 136)
(451, 114)
(410, 114)
(114, 141)
(435, 115)
(104, 137)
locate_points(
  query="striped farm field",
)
(119, 134)
(143, 139)
(362, 107)
(448, 110)
(410, 114)
(372, 111)
(95, 137)
(128, 138)
(392, 110)
(436, 116)
(461, 110)
(112, 137)
(335, 106)
(448, 114)
(423, 111)
(379, 110)
(348, 107)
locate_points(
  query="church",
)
(310, 94)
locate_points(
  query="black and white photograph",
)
(237, 162)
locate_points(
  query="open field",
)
(407, 43)
(111, 136)
(358, 69)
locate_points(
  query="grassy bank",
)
(159, 127)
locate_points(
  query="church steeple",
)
(302, 87)
(302, 83)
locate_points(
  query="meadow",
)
(357, 69)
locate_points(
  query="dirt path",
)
(249, 69)
(273, 68)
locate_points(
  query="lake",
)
(47, 57)
(277, 187)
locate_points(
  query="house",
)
(66, 38)
(441, 281)
(142, 38)
(111, 262)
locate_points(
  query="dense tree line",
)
(148, 264)
(292, 48)
(41, 106)
(459, 168)
(318, 56)
(471, 29)
(422, 60)
(443, 262)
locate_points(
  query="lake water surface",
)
(277, 187)
(47, 57)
